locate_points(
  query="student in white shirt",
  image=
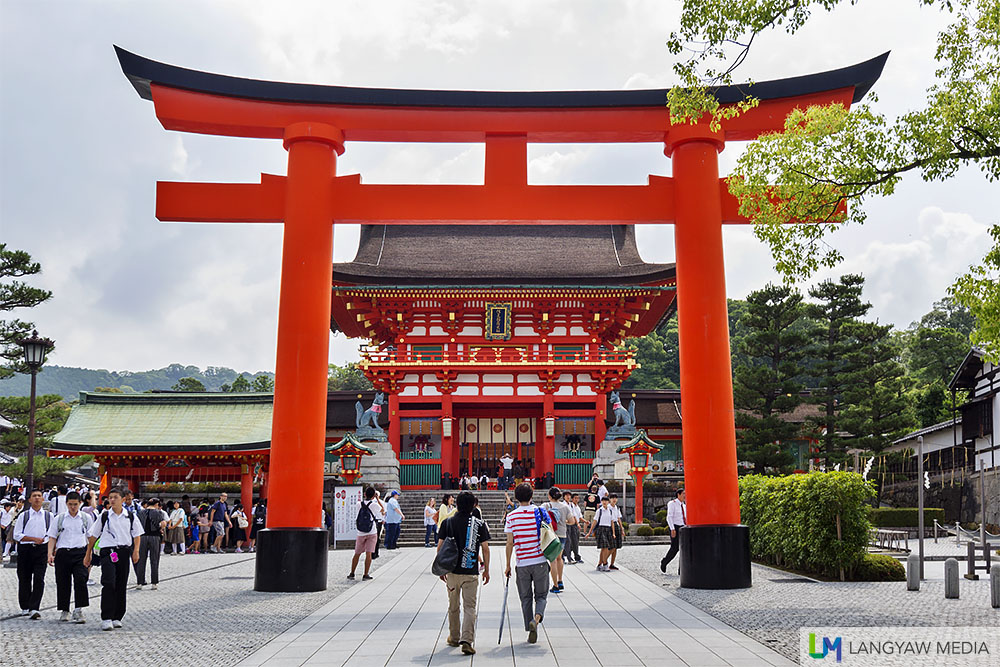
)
(430, 524)
(676, 519)
(6, 518)
(603, 526)
(67, 549)
(31, 534)
(618, 528)
(118, 530)
(57, 505)
(364, 542)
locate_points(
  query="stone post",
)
(913, 572)
(951, 579)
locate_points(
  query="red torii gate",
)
(314, 122)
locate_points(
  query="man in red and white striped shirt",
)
(522, 529)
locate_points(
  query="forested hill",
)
(68, 382)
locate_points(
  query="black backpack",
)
(366, 520)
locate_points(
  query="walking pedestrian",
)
(219, 517)
(446, 510)
(379, 508)
(393, 520)
(522, 528)
(617, 526)
(153, 521)
(676, 519)
(367, 533)
(176, 523)
(239, 531)
(67, 549)
(518, 470)
(472, 536)
(602, 527)
(258, 523)
(591, 503)
(430, 523)
(571, 554)
(31, 533)
(118, 530)
(7, 514)
(558, 513)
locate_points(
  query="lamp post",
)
(35, 349)
(350, 450)
(639, 450)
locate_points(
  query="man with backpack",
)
(153, 520)
(523, 529)
(364, 543)
(118, 530)
(471, 535)
(31, 533)
(67, 549)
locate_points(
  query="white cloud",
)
(80, 153)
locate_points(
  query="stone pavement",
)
(204, 613)
(779, 603)
(611, 619)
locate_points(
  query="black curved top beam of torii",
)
(142, 72)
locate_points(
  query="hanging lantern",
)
(350, 451)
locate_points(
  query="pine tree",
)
(16, 294)
(838, 305)
(766, 385)
(877, 408)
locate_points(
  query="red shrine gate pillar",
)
(292, 550)
(715, 548)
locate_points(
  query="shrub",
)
(879, 567)
(817, 522)
(644, 531)
(646, 521)
(904, 517)
(660, 531)
(626, 527)
(661, 516)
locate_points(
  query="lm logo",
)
(828, 646)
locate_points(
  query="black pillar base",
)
(716, 557)
(291, 560)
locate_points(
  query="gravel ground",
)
(779, 603)
(204, 613)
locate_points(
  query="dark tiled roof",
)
(499, 254)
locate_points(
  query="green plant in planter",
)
(644, 531)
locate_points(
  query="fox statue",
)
(371, 415)
(623, 417)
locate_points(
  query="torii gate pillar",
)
(715, 548)
(292, 550)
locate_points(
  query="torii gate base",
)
(315, 121)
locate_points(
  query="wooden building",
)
(488, 339)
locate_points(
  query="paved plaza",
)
(206, 614)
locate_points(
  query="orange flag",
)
(105, 483)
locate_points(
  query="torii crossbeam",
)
(315, 122)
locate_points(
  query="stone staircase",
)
(491, 504)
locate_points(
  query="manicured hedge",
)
(794, 520)
(904, 517)
(644, 531)
(879, 567)
(659, 530)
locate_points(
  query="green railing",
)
(573, 473)
(582, 454)
(430, 454)
(422, 474)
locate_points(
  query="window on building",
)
(566, 352)
(428, 352)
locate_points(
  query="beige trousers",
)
(467, 586)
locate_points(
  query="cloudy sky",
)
(80, 152)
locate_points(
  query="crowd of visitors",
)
(68, 529)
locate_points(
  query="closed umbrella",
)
(503, 610)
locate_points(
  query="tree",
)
(826, 155)
(979, 291)
(43, 466)
(949, 313)
(188, 384)
(839, 305)
(263, 383)
(348, 377)
(16, 293)
(935, 354)
(933, 404)
(50, 416)
(766, 386)
(877, 406)
(657, 356)
(241, 384)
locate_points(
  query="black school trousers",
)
(71, 573)
(32, 559)
(114, 582)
